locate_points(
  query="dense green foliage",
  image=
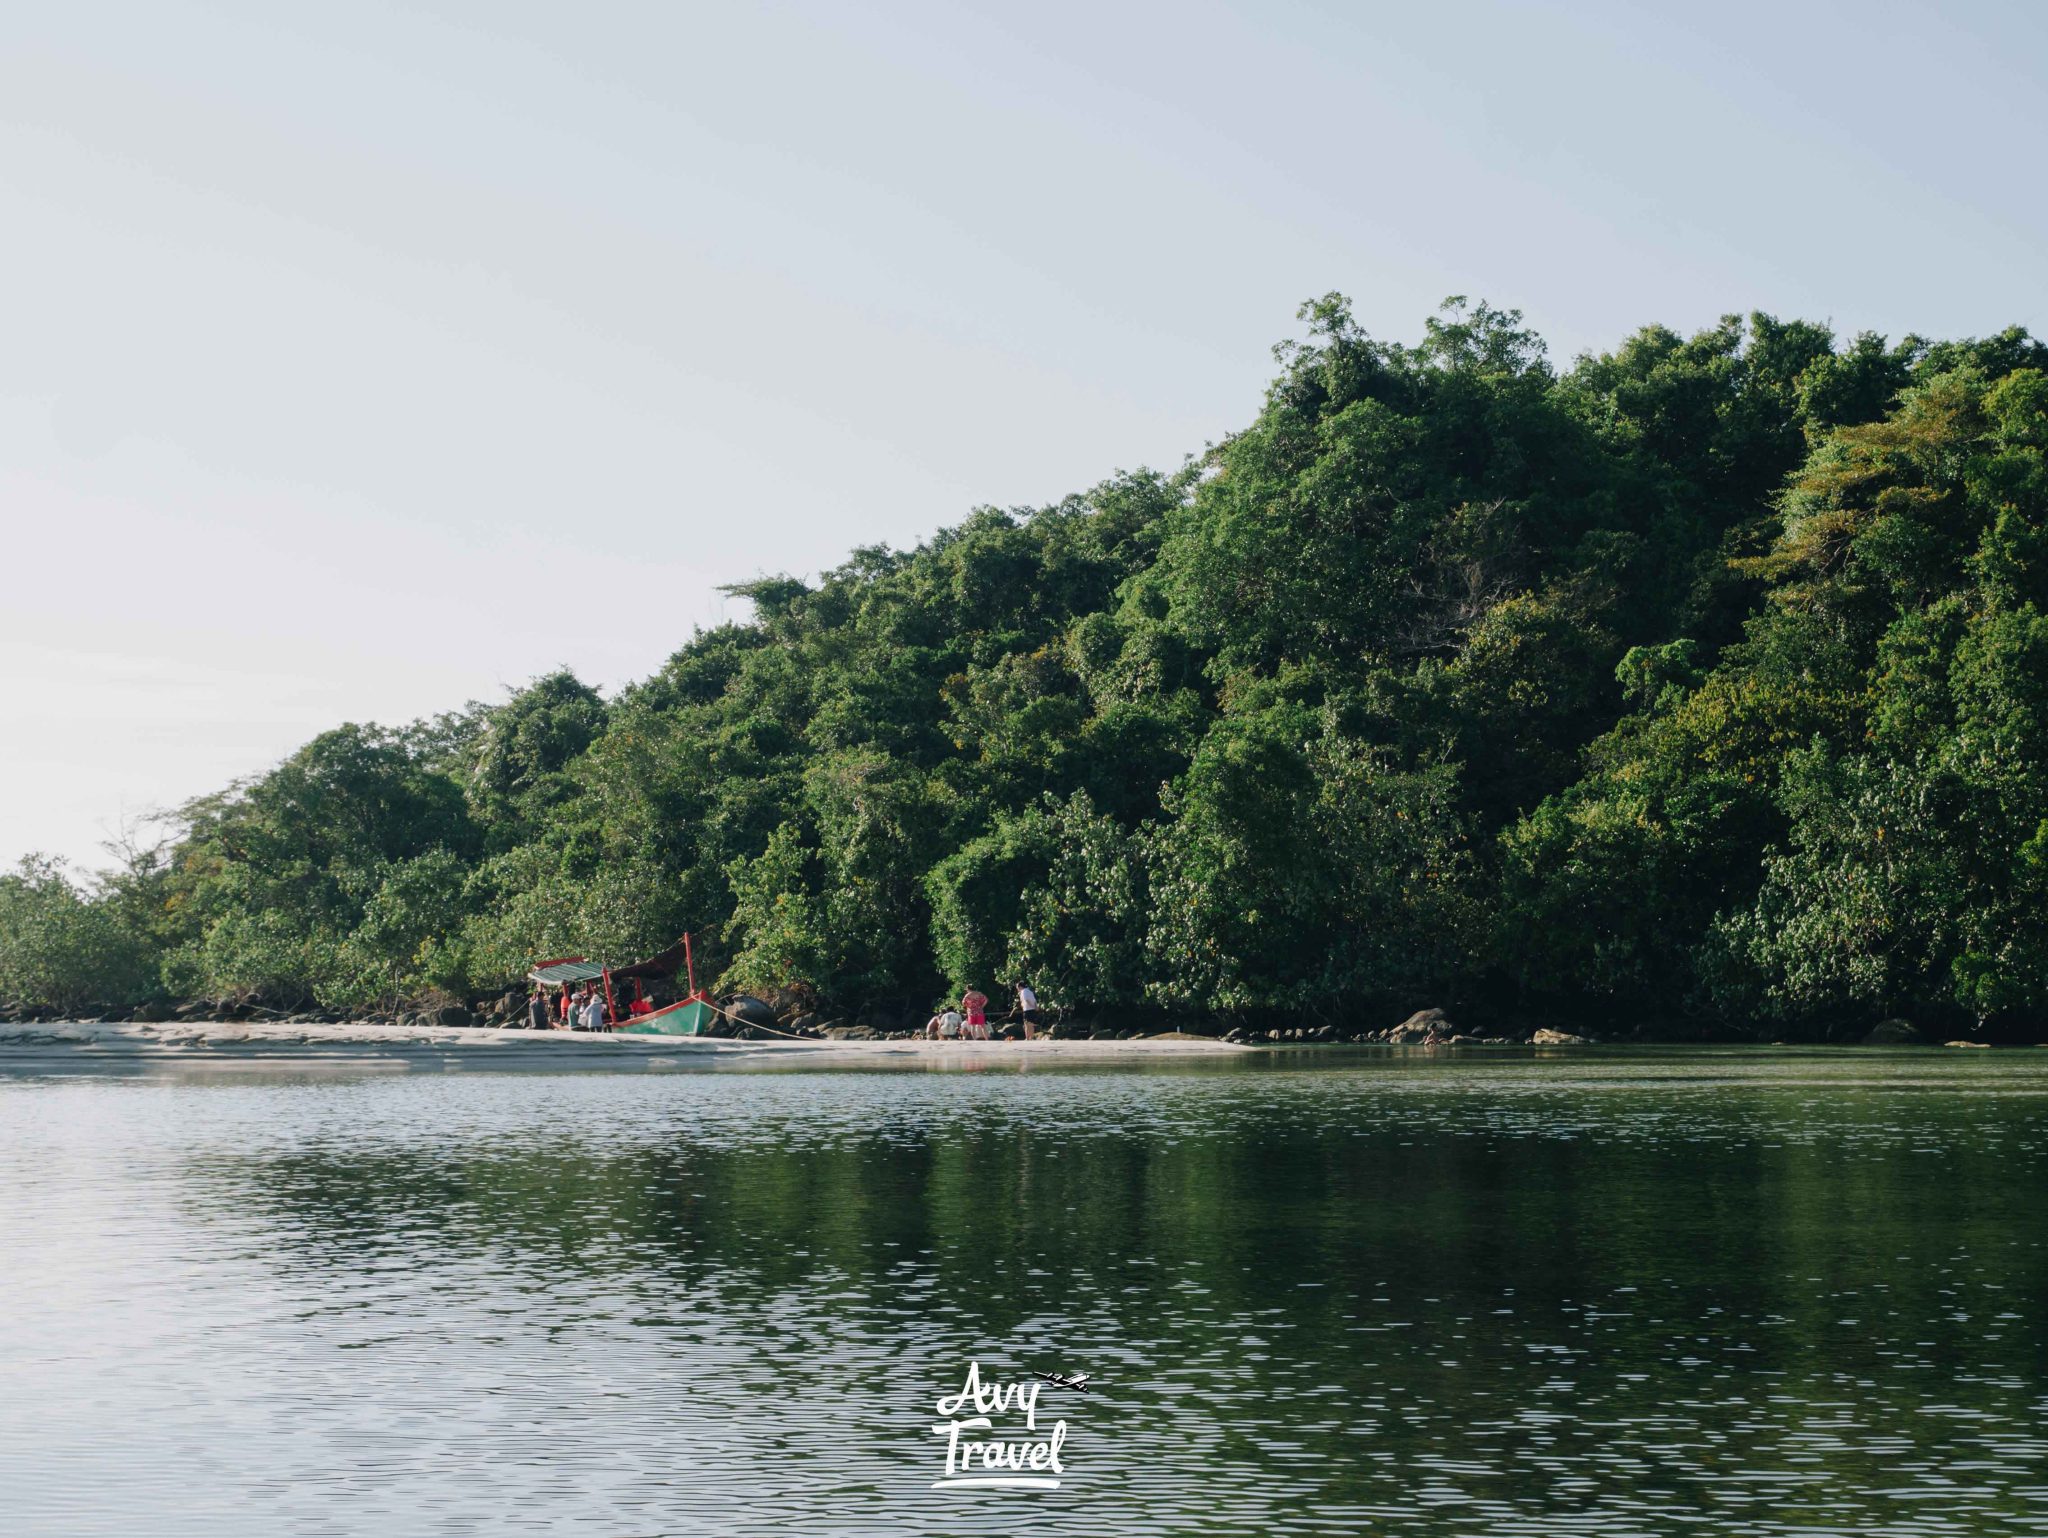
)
(1706, 678)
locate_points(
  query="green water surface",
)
(1644, 1292)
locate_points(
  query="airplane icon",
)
(1077, 1380)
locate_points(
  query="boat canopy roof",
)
(573, 970)
(666, 964)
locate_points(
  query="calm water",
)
(1717, 1292)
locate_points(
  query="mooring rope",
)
(756, 1025)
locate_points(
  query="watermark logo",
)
(981, 1457)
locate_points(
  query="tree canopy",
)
(1704, 678)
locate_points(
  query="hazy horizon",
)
(344, 342)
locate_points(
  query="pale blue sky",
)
(336, 335)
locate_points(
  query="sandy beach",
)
(277, 1044)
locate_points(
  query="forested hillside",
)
(1706, 680)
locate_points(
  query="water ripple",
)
(1730, 1293)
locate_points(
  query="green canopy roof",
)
(566, 972)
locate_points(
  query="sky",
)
(342, 342)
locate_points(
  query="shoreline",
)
(226, 1044)
(276, 1042)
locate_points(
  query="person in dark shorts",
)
(537, 1011)
(1027, 1009)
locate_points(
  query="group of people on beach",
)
(587, 1010)
(969, 1021)
(583, 1011)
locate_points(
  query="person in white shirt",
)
(593, 1012)
(949, 1025)
(1027, 1009)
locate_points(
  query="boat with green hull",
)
(690, 1017)
(634, 1014)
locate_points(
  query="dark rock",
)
(454, 1015)
(1894, 1033)
(1550, 1038)
(748, 1010)
(1418, 1028)
(151, 1012)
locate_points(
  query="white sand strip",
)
(274, 1042)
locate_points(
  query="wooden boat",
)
(692, 1015)
(689, 1017)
